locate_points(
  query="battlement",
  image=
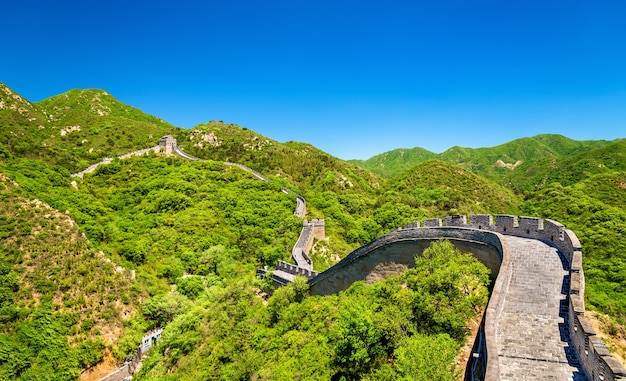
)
(149, 339)
(295, 270)
(545, 230)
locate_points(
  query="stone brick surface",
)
(532, 333)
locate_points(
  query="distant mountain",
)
(493, 162)
(393, 162)
(605, 159)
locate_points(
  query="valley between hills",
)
(89, 265)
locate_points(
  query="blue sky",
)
(353, 78)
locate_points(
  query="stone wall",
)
(254, 173)
(295, 270)
(108, 160)
(393, 253)
(131, 366)
(300, 207)
(300, 251)
(400, 248)
(592, 352)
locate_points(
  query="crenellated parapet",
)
(545, 230)
(295, 270)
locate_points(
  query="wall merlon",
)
(458, 220)
(572, 240)
(599, 347)
(553, 229)
(505, 223)
(586, 326)
(530, 224)
(574, 287)
(615, 367)
(577, 304)
(412, 225)
(482, 221)
(577, 262)
(433, 223)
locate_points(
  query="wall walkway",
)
(532, 334)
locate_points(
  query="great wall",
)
(534, 327)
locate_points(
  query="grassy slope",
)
(446, 188)
(66, 302)
(74, 129)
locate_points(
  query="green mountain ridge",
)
(192, 234)
(492, 162)
(297, 163)
(569, 170)
(393, 162)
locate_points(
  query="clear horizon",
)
(354, 79)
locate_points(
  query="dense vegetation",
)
(407, 327)
(58, 297)
(88, 265)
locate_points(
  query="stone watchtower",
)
(168, 142)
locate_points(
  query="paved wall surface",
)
(532, 334)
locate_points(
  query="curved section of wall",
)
(394, 253)
(397, 250)
(300, 251)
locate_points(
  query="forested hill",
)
(80, 127)
(298, 163)
(492, 162)
(87, 266)
(74, 129)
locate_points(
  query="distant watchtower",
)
(168, 142)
